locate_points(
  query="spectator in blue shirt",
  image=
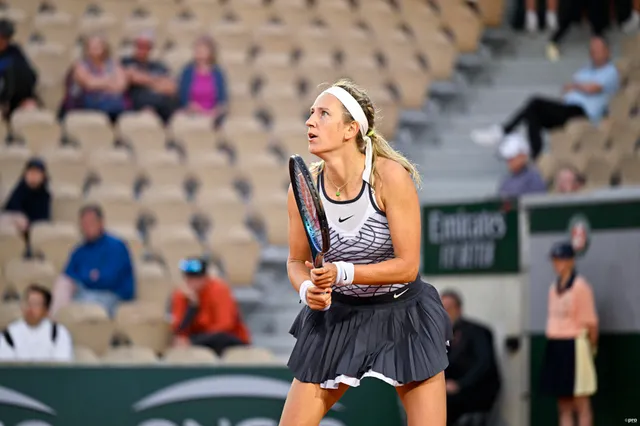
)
(588, 95)
(523, 177)
(99, 269)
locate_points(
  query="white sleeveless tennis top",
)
(359, 233)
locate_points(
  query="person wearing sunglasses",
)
(204, 311)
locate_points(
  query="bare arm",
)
(589, 88)
(402, 208)
(118, 81)
(88, 81)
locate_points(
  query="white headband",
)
(357, 113)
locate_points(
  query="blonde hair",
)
(381, 148)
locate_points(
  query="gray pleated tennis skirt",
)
(400, 337)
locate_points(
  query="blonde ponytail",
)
(382, 148)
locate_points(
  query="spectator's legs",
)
(62, 294)
(583, 408)
(218, 342)
(565, 411)
(106, 299)
(567, 10)
(531, 17)
(598, 12)
(552, 15)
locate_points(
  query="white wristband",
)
(345, 273)
(306, 285)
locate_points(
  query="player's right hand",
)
(318, 299)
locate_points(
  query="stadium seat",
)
(547, 165)
(57, 27)
(11, 244)
(144, 324)
(55, 241)
(38, 128)
(192, 355)
(154, 289)
(222, 207)
(50, 59)
(166, 205)
(12, 162)
(264, 173)
(129, 355)
(271, 208)
(212, 171)
(91, 130)
(194, 133)
(88, 324)
(242, 355)
(9, 312)
(182, 30)
(598, 171)
(593, 142)
(142, 131)
(630, 170)
(116, 201)
(245, 136)
(113, 167)
(162, 168)
(21, 273)
(239, 253)
(128, 233)
(173, 243)
(66, 167)
(84, 356)
(66, 203)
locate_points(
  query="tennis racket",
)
(311, 210)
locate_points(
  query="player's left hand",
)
(323, 277)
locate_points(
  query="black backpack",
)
(9, 339)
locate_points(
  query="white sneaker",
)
(631, 24)
(552, 20)
(490, 136)
(553, 53)
(532, 21)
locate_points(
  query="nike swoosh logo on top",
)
(340, 220)
(395, 296)
(345, 276)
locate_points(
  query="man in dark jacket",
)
(472, 378)
(17, 77)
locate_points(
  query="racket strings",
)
(309, 213)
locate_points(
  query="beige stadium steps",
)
(113, 167)
(66, 166)
(84, 356)
(212, 171)
(20, 273)
(12, 161)
(272, 210)
(88, 324)
(143, 131)
(630, 170)
(129, 355)
(247, 355)
(57, 27)
(239, 253)
(593, 142)
(55, 241)
(116, 201)
(547, 165)
(223, 208)
(12, 244)
(162, 168)
(66, 203)
(192, 355)
(91, 130)
(144, 324)
(193, 133)
(9, 312)
(166, 205)
(38, 128)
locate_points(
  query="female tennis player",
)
(367, 312)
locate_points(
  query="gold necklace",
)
(339, 188)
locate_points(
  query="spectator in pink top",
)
(202, 88)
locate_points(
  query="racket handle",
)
(319, 260)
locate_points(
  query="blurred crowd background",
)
(144, 145)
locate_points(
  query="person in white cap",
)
(523, 177)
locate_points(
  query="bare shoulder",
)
(392, 173)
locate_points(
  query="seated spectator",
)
(568, 180)
(588, 95)
(17, 77)
(99, 269)
(472, 377)
(30, 200)
(35, 337)
(203, 87)
(150, 85)
(523, 176)
(97, 81)
(204, 311)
